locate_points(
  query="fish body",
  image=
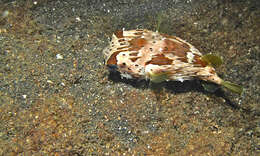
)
(144, 54)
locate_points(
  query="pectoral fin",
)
(158, 77)
(212, 60)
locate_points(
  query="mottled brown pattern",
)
(197, 60)
(134, 59)
(177, 49)
(133, 54)
(122, 47)
(160, 60)
(179, 70)
(119, 34)
(112, 59)
(137, 43)
(121, 40)
(183, 59)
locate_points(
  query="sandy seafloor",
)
(57, 97)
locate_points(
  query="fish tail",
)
(233, 87)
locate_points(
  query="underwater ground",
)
(57, 98)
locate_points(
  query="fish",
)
(151, 55)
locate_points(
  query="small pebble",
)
(59, 57)
(24, 96)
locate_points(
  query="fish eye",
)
(112, 67)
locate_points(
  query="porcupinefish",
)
(144, 54)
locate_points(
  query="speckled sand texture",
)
(57, 98)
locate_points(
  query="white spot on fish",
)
(126, 75)
(180, 79)
(190, 57)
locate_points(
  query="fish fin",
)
(233, 87)
(159, 77)
(159, 21)
(212, 60)
(160, 25)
